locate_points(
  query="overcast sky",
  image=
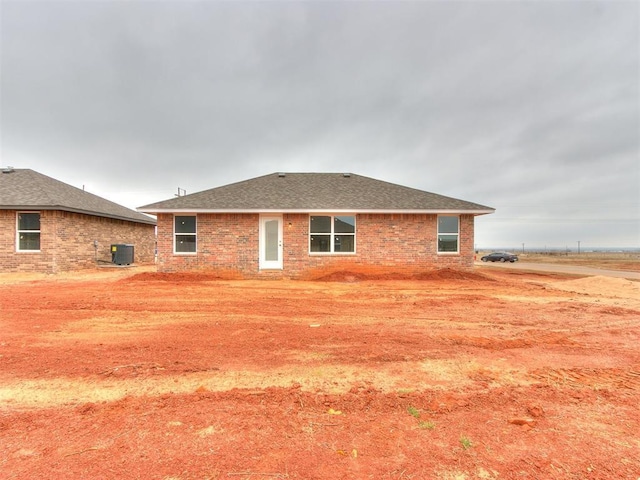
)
(532, 108)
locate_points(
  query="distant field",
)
(609, 260)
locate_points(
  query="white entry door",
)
(270, 242)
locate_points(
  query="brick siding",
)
(228, 244)
(225, 243)
(67, 242)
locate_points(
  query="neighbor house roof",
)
(25, 189)
(315, 192)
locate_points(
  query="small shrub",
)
(427, 425)
(466, 443)
(413, 411)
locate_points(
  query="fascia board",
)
(59, 208)
(155, 211)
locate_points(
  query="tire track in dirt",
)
(529, 339)
(617, 379)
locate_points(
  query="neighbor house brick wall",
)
(67, 242)
(228, 243)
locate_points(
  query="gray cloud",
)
(530, 107)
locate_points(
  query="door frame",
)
(263, 263)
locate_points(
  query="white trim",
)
(314, 211)
(264, 264)
(195, 234)
(61, 208)
(457, 252)
(333, 234)
(18, 231)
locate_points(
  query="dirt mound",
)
(180, 277)
(351, 276)
(444, 274)
(452, 274)
(345, 275)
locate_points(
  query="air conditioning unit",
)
(122, 254)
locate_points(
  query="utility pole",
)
(523, 248)
(578, 247)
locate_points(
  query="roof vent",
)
(7, 169)
(282, 175)
(346, 175)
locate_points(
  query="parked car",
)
(500, 257)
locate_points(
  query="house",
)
(48, 226)
(300, 225)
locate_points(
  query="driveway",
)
(555, 268)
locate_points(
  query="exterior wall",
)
(67, 242)
(225, 243)
(402, 243)
(228, 244)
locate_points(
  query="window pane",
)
(29, 241)
(344, 243)
(185, 243)
(447, 224)
(29, 221)
(447, 243)
(320, 243)
(271, 240)
(185, 224)
(320, 225)
(344, 224)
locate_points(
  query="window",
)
(448, 232)
(28, 232)
(332, 234)
(185, 234)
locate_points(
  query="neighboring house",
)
(48, 226)
(301, 225)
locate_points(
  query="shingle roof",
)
(25, 189)
(297, 192)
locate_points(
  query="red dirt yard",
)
(487, 375)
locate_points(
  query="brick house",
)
(48, 226)
(301, 225)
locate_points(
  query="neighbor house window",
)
(332, 234)
(184, 234)
(448, 234)
(28, 232)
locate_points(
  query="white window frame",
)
(18, 232)
(194, 234)
(333, 234)
(457, 235)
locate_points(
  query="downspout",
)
(56, 240)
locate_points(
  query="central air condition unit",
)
(122, 254)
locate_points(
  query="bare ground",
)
(490, 375)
